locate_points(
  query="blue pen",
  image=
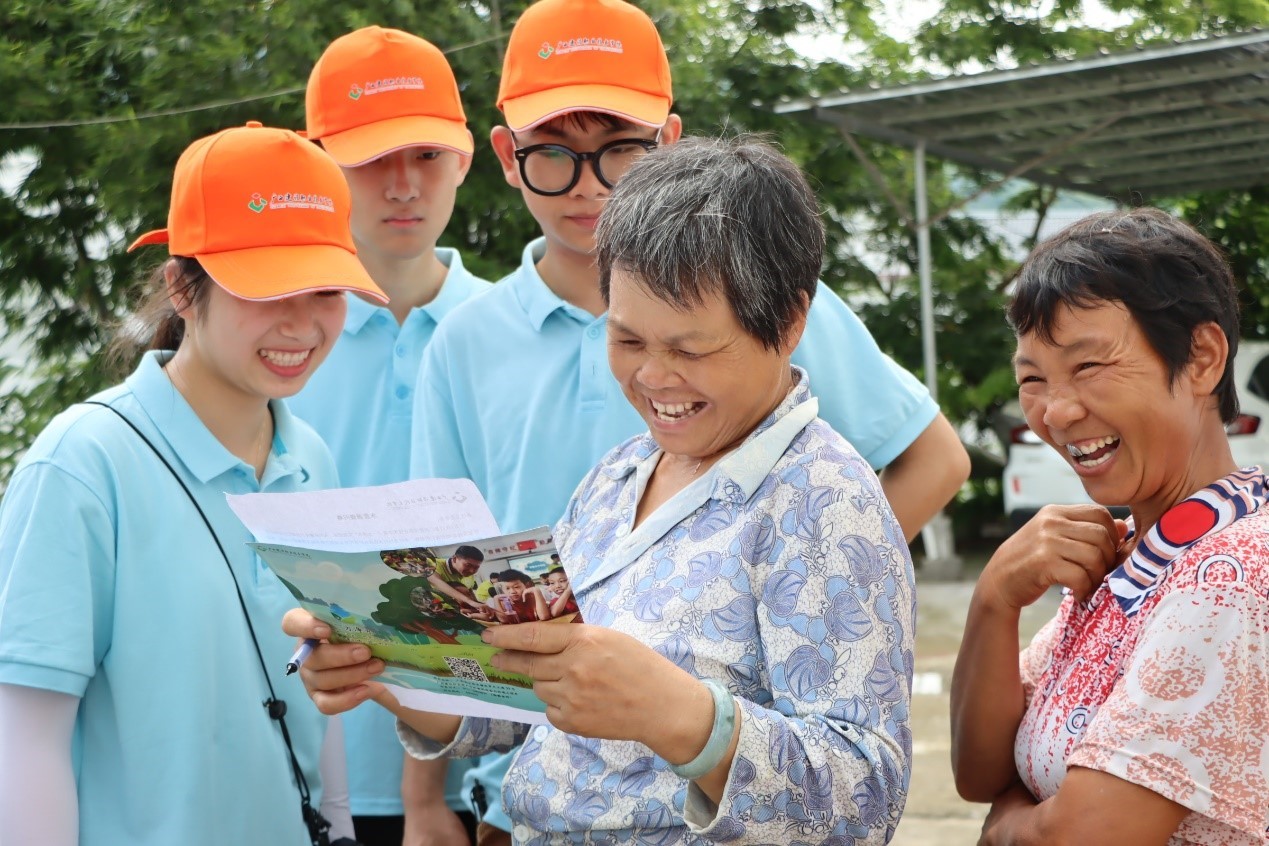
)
(301, 655)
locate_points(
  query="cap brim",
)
(357, 146)
(271, 273)
(524, 113)
(154, 236)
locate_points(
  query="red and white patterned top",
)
(1162, 677)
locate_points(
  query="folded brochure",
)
(401, 569)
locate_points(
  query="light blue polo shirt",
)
(114, 592)
(360, 401)
(515, 393)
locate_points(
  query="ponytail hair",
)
(156, 324)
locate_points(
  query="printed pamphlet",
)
(421, 600)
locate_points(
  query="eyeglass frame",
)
(579, 160)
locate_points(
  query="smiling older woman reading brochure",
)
(1140, 713)
(743, 675)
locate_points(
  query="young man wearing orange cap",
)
(516, 386)
(385, 105)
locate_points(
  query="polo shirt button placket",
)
(594, 366)
(400, 366)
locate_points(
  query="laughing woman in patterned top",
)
(1140, 713)
(744, 671)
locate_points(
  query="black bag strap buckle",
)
(318, 826)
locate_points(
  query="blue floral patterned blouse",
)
(781, 572)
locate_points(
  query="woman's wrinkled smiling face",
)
(1100, 395)
(696, 377)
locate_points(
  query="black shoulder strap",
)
(276, 708)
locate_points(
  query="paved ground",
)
(935, 815)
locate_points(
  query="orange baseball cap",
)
(265, 213)
(584, 55)
(377, 90)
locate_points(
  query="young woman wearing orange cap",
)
(142, 683)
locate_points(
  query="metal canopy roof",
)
(1152, 122)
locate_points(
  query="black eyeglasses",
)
(553, 169)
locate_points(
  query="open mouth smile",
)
(286, 359)
(671, 412)
(1093, 453)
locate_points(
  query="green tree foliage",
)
(973, 34)
(1238, 221)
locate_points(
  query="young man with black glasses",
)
(515, 391)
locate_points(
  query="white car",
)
(1036, 475)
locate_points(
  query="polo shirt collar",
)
(534, 295)
(734, 479)
(191, 441)
(456, 288)
(282, 462)
(738, 474)
(1181, 526)
(359, 313)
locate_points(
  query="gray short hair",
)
(728, 215)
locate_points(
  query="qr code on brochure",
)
(466, 668)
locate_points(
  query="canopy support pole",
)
(941, 560)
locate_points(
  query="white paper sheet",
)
(422, 512)
(441, 703)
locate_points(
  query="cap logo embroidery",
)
(291, 200)
(592, 44)
(301, 200)
(383, 86)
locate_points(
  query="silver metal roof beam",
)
(1198, 139)
(1158, 196)
(1106, 153)
(1170, 80)
(1253, 93)
(1137, 129)
(954, 154)
(1055, 69)
(1184, 164)
(1253, 173)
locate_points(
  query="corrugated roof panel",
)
(1150, 122)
